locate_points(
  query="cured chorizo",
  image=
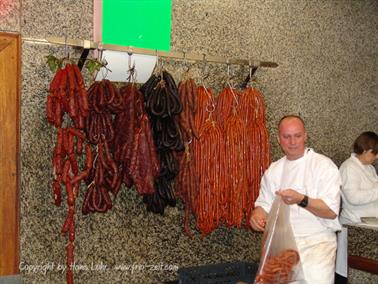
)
(279, 268)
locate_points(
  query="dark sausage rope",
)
(163, 105)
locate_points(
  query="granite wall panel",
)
(10, 14)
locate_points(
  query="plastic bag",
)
(280, 261)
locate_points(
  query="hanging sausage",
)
(220, 172)
(104, 101)
(67, 94)
(163, 106)
(252, 109)
(134, 148)
(190, 185)
(162, 139)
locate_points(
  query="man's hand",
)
(290, 196)
(315, 206)
(258, 219)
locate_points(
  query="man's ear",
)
(306, 137)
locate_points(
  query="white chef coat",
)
(318, 177)
(359, 191)
(359, 194)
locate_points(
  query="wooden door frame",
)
(9, 201)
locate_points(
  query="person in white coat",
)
(359, 190)
(310, 183)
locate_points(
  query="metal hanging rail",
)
(87, 44)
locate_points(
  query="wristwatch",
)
(304, 202)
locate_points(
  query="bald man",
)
(310, 184)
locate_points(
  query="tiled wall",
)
(328, 66)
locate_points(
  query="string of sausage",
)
(67, 94)
(279, 268)
(104, 100)
(243, 157)
(102, 179)
(252, 110)
(209, 162)
(187, 182)
(188, 96)
(184, 186)
(71, 179)
(235, 181)
(205, 106)
(163, 105)
(226, 100)
(134, 148)
(125, 122)
(144, 164)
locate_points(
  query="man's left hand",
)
(290, 196)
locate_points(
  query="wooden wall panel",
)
(9, 153)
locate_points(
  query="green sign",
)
(138, 23)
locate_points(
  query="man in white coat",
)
(310, 183)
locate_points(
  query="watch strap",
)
(304, 202)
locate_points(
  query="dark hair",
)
(366, 141)
(289, 116)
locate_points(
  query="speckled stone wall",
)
(326, 51)
(10, 14)
(328, 63)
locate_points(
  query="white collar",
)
(306, 152)
(356, 160)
